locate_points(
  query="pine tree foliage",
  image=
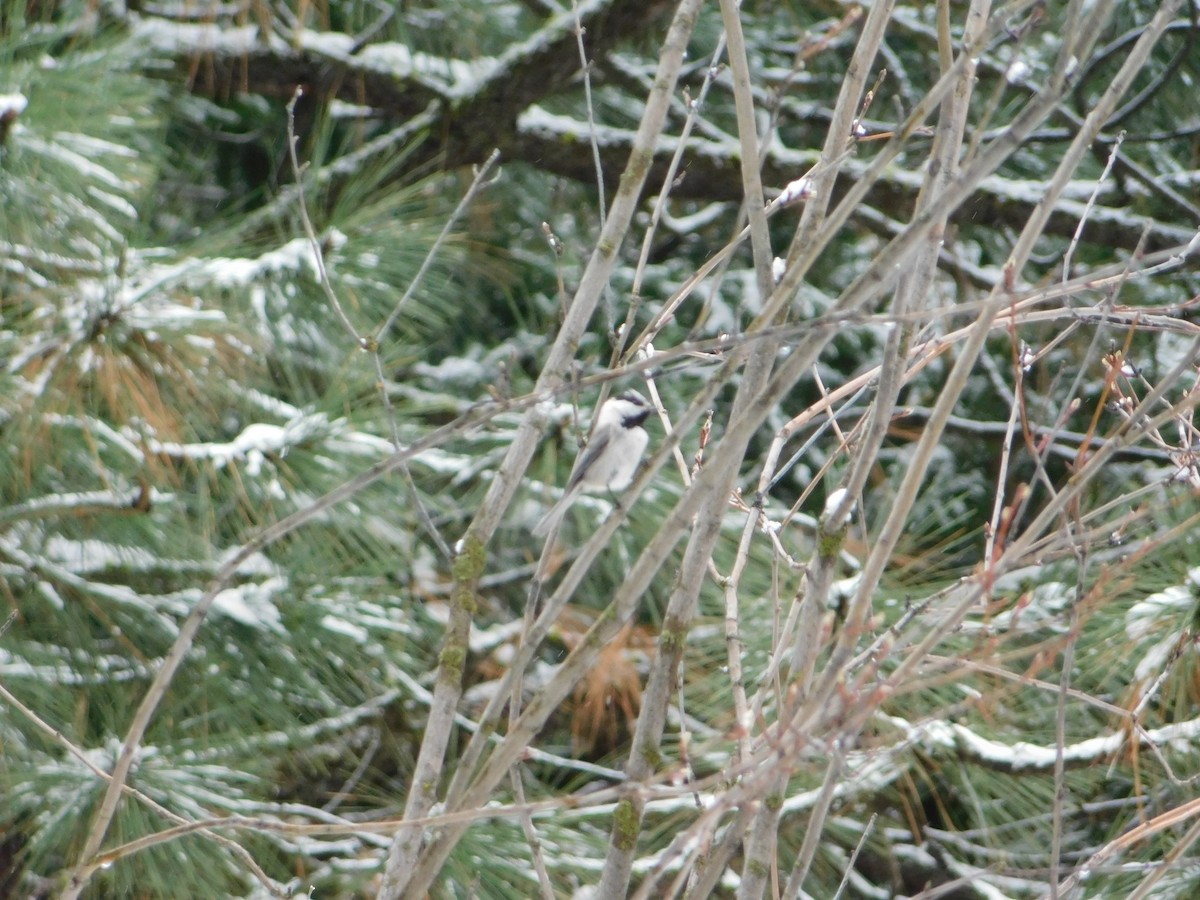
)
(272, 439)
(161, 404)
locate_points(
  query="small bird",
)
(611, 456)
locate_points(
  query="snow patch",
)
(356, 633)
(256, 441)
(78, 162)
(454, 370)
(1017, 72)
(251, 604)
(833, 501)
(800, 189)
(293, 257)
(181, 37)
(12, 105)
(95, 555)
(1147, 615)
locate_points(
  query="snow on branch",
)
(1028, 758)
(713, 174)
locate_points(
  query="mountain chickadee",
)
(611, 456)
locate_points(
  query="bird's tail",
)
(553, 516)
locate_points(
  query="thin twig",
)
(478, 183)
(8, 621)
(314, 242)
(1091, 202)
(531, 837)
(586, 68)
(858, 848)
(85, 759)
(405, 874)
(1170, 862)
(370, 344)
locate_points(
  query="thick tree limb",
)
(493, 103)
